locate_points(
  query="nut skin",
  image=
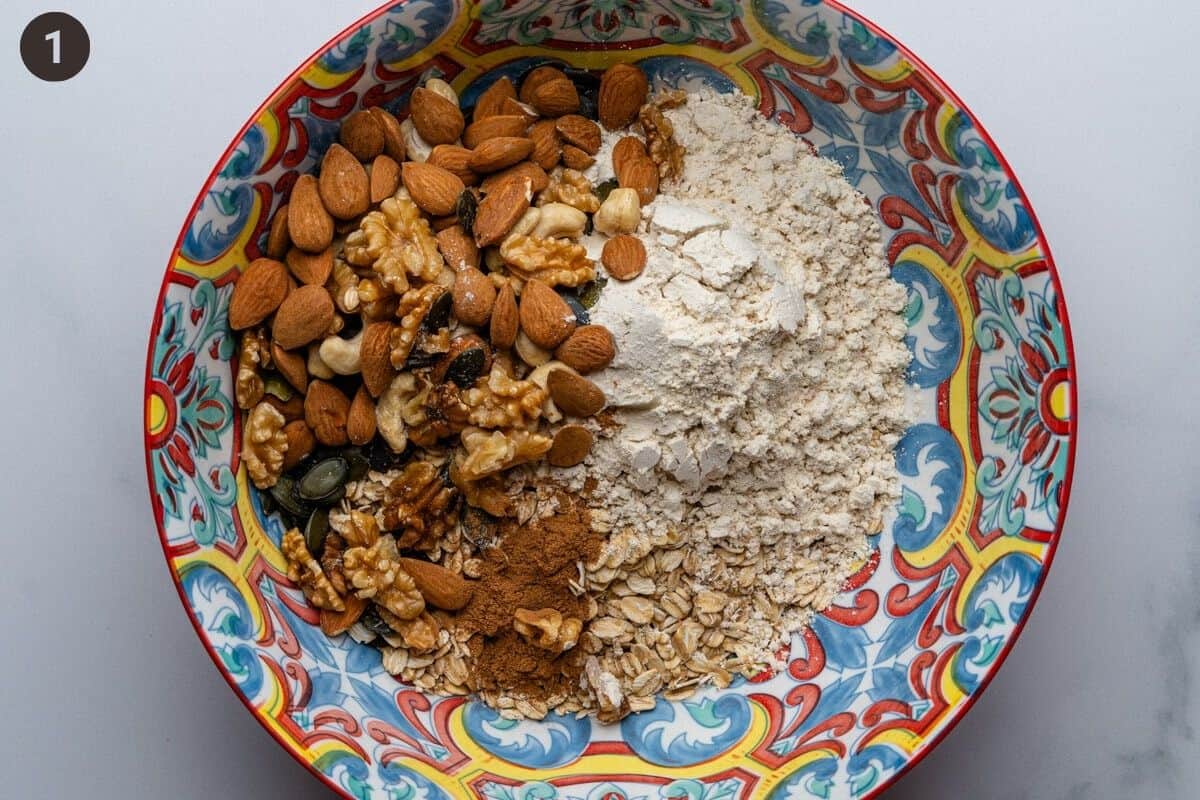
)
(277, 239)
(547, 145)
(458, 248)
(259, 291)
(500, 153)
(343, 184)
(455, 159)
(311, 269)
(292, 366)
(326, 410)
(491, 127)
(545, 317)
(572, 443)
(575, 395)
(385, 178)
(440, 587)
(393, 133)
(500, 210)
(310, 225)
(641, 175)
(360, 421)
(301, 443)
(623, 90)
(626, 149)
(624, 257)
(574, 158)
(473, 297)
(537, 77)
(505, 321)
(589, 349)
(554, 98)
(435, 190)
(437, 119)
(363, 134)
(538, 179)
(580, 132)
(375, 357)
(305, 315)
(491, 100)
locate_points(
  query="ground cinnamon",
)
(531, 567)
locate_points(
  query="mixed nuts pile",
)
(422, 309)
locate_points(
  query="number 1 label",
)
(55, 37)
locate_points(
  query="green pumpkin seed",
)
(604, 189)
(359, 465)
(316, 530)
(589, 293)
(284, 495)
(325, 481)
(277, 386)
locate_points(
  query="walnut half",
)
(554, 262)
(489, 453)
(305, 572)
(263, 445)
(396, 243)
(376, 574)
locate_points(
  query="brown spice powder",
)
(530, 567)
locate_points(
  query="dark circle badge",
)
(55, 46)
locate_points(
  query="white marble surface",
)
(105, 691)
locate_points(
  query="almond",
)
(335, 622)
(277, 239)
(300, 442)
(574, 158)
(440, 587)
(579, 131)
(495, 154)
(588, 349)
(473, 295)
(505, 321)
(455, 159)
(538, 76)
(310, 268)
(360, 420)
(623, 90)
(574, 394)
(641, 175)
(433, 189)
(304, 316)
(375, 357)
(627, 148)
(555, 98)
(437, 119)
(458, 247)
(292, 366)
(259, 290)
(326, 410)
(309, 224)
(385, 178)
(362, 134)
(491, 127)
(571, 445)
(545, 317)
(343, 184)
(538, 179)
(493, 97)
(624, 256)
(547, 146)
(515, 108)
(500, 210)
(291, 409)
(393, 134)
(442, 223)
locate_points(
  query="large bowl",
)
(881, 676)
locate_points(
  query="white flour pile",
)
(759, 386)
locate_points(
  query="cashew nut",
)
(416, 148)
(559, 219)
(342, 355)
(439, 86)
(389, 411)
(620, 213)
(316, 367)
(529, 352)
(525, 224)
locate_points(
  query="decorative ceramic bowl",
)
(881, 676)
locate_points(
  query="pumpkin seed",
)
(275, 385)
(316, 530)
(589, 293)
(465, 209)
(466, 367)
(581, 315)
(374, 623)
(284, 495)
(359, 465)
(604, 189)
(439, 313)
(325, 482)
(382, 457)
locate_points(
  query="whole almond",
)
(362, 134)
(491, 127)
(455, 159)
(277, 240)
(300, 442)
(515, 108)
(259, 291)
(458, 247)
(555, 98)
(491, 99)
(641, 175)
(623, 90)
(473, 296)
(626, 149)
(385, 178)
(292, 366)
(442, 223)
(545, 317)
(538, 179)
(574, 394)
(574, 158)
(571, 445)
(537, 77)
(360, 420)
(495, 154)
(547, 145)
(500, 210)
(375, 357)
(433, 189)
(393, 134)
(309, 224)
(310, 268)
(624, 256)
(437, 119)
(335, 622)
(505, 320)
(326, 410)
(579, 131)
(440, 587)
(304, 316)
(588, 349)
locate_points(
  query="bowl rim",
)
(1052, 270)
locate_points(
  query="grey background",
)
(105, 692)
